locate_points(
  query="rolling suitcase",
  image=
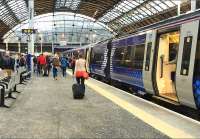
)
(78, 91)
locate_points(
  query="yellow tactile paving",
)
(153, 121)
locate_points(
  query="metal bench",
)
(8, 86)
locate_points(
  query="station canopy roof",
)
(119, 15)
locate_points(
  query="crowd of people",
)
(44, 64)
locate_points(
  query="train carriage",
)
(162, 59)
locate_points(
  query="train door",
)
(87, 59)
(148, 61)
(166, 63)
(186, 60)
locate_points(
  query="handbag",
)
(85, 75)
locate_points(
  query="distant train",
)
(162, 59)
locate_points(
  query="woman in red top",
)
(42, 62)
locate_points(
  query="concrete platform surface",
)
(46, 109)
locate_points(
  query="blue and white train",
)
(162, 59)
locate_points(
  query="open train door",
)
(148, 61)
(185, 63)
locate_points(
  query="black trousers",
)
(80, 80)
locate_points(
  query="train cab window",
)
(97, 55)
(186, 55)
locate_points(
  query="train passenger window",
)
(186, 55)
(138, 58)
(127, 56)
(148, 56)
(118, 56)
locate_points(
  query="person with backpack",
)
(64, 65)
(73, 62)
(22, 61)
(56, 65)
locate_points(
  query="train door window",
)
(186, 55)
(197, 4)
(148, 56)
(185, 6)
(139, 57)
(166, 64)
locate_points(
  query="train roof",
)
(177, 20)
(173, 21)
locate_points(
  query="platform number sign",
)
(29, 31)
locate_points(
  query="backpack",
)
(64, 62)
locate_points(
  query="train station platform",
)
(46, 109)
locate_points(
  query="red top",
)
(42, 60)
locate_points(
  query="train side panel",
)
(127, 61)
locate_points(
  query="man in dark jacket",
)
(8, 63)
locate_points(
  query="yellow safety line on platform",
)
(153, 121)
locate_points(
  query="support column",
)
(179, 8)
(41, 45)
(31, 26)
(52, 48)
(6, 46)
(19, 47)
(31, 42)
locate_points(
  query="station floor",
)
(45, 108)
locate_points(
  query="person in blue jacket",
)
(64, 64)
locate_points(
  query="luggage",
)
(78, 91)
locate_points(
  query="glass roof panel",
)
(19, 8)
(61, 24)
(150, 8)
(121, 8)
(71, 4)
(5, 15)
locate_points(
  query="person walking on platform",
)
(80, 70)
(42, 61)
(73, 62)
(56, 65)
(48, 60)
(22, 61)
(64, 65)
(38, 66)
(34, 64)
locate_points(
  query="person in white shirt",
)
(80, 68)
